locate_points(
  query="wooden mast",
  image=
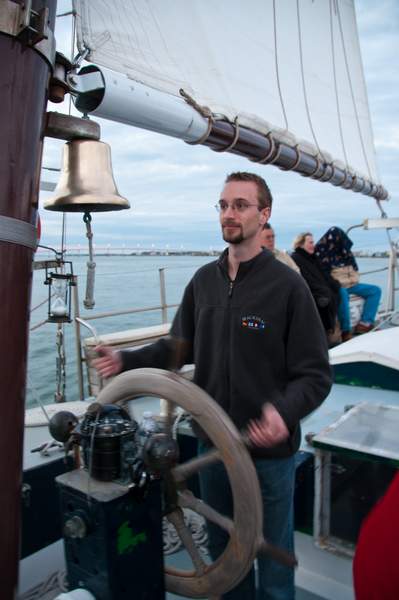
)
(24, 81)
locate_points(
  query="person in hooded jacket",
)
(335, 255)
(325, 290)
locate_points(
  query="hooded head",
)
(334, 249)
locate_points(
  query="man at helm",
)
(250, 326)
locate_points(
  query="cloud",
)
(173, 187)
(392, 142)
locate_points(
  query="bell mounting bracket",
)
(67, 127)
(31, 27)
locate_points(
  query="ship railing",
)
(85, 348)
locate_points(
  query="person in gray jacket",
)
(268, 241)
(250, 326)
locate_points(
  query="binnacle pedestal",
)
(112, 537)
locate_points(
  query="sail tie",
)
(204, 111)
(235, 139)
(272, 149)
(297, 160)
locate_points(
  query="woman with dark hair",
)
(335, 255)
(324, 289)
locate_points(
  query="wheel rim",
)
(236, 560)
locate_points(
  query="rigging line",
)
(391, 243)
(64, 216)
(37, 325)
(66, 14)
(140, 272)
(36, 397)
(73, 39)
(341, 133)
(45, 301)
(303, 81)
(352, 94)
(276, 64)
(178, 67)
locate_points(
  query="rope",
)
(91, 265)
(341, 133)
(64, 214)
(266, 159)
(204, 111)
(276, 62)
(315, 175)
(374, 271)
(59, 394)
(63, 235)
(352, 93)
(296, 163)
(277, 155)
(303, 80)
(56, 582)
(37, 397)
(182, 415)
(235, 139)
(34, 327)
(39, 305)
(391, 243)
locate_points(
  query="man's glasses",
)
(238, 205)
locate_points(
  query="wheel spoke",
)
(188, 500)
(278, 554)
(185, 470)
(168, 410)
(177, 519)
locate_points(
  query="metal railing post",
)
(393, 265)
(78, 344)
(163, 294)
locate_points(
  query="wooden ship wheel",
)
(245, 528)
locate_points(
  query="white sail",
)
(288, 66)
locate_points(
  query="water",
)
(122, 282)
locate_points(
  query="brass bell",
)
(86, 183)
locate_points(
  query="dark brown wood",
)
(256, 146)
(24, 78)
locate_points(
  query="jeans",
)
(371, 295)
(276, 479)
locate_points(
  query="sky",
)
(172, 188)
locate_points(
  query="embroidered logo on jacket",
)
(252, 322)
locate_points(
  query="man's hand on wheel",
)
(108, 363)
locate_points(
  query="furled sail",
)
(287, 70)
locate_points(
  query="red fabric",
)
(376, 562)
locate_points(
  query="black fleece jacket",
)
(255, 340)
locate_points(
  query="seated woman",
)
(324, 289)
(334, 253)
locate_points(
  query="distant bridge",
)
(109, 250)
